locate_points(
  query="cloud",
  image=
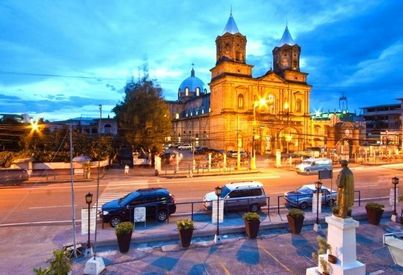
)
(348, 47)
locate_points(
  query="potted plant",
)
(124, 235)
(185, 228)
(295, 219)
(252, 223)
(374, 212)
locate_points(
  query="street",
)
(51, 203)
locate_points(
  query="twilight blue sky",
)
(61, 59)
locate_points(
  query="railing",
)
(241, 205)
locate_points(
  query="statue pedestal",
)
(342, 238)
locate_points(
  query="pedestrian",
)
(126, 169)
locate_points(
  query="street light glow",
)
(34, 126)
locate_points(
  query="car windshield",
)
(305, 190)
(129, 197)
(224, 191)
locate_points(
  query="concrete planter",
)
(252, 228)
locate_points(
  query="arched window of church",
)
(238, 56)
(186, 91)
(298, 105)
(317, 130)
(240, 101)
(197, 91)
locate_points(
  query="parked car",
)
(185, 146)
(234, 154)
(200, 150)
(159, 204)
(248, 196)
(302, 197)
(168, 157)
(314, 165)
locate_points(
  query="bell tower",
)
(231, 51)
(286, 54)
(286, 57)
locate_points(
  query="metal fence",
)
(192, 208)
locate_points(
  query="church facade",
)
(265, 114)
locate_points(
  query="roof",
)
(192, 82)
(286, 38)
(231, 26)
(235, 185)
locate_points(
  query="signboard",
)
(139, 214)
(325, 174)
(214, 211)
(84, 220)
(315, 202)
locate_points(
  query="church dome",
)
(191, 86)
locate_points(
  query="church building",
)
(264, 114)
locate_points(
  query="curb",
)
(187, 175)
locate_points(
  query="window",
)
(197, 91)
(298, 105)
(186, 91)
(240, 101)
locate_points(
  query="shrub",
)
(124, 228)
(374, 205)
(60, 264)
(295, 212)
(251, 216)
(185, 224)
(323, 246)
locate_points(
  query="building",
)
(341, 132)
(268, 113)
(384, 124)
(91, 126)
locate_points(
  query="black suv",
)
(159, 204)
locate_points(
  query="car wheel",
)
(303, 205)
(254, 208)
(162, 215)
(115, 220)
(331, 202)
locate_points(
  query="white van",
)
(314, 165)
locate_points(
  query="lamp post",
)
(217, 234)
(253, 159)
(259, 103)
(318, 186)
(395, 182)
(88, 200)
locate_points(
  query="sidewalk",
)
(156, 250)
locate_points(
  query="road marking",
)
(226, 271)
(51, 206)
(38, 223)
(277, 260)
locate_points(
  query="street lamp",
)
(218, 194)
(395, 182)
(318, 186)
(88, 200)
(259, 103)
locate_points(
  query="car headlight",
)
(104, 213)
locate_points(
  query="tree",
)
(143, 116)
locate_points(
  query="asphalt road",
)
(31, 203)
